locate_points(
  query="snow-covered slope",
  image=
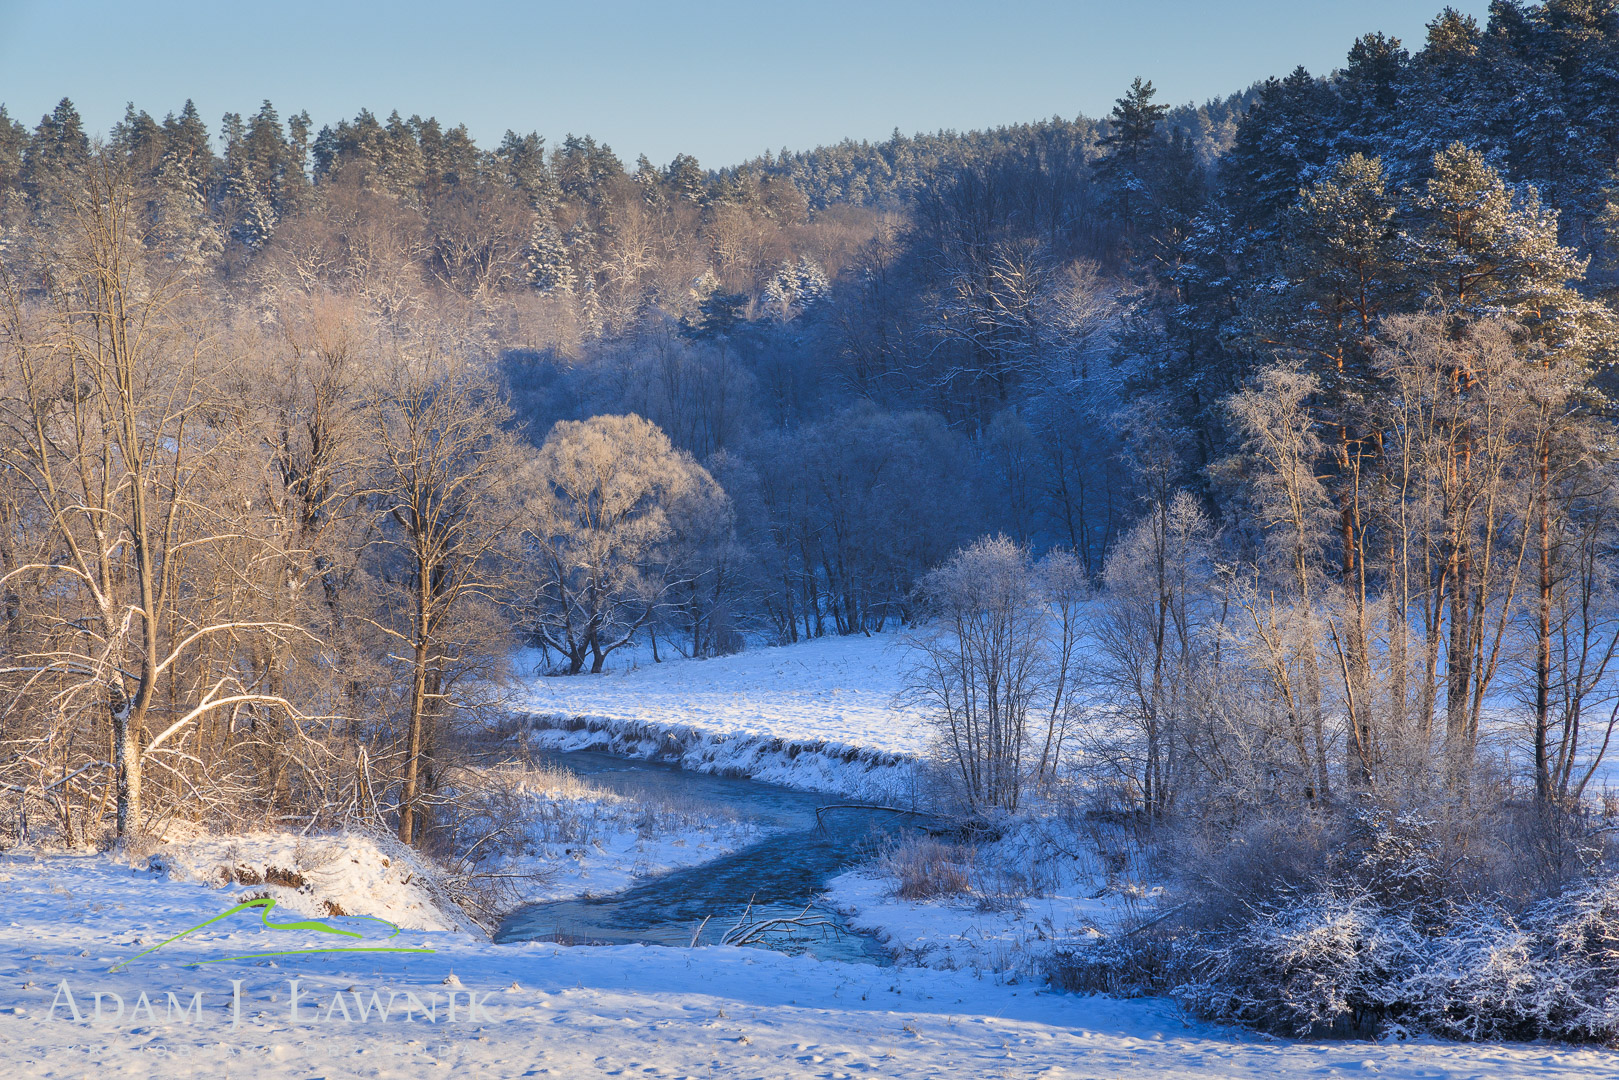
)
(819, 715)
(314, 876)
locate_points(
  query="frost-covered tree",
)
(183, 228)
(1149, 641)
(615, 501)
(1482, 247)
(649, 180)
(1280, 141)
(795, 288)
(684, 179)
(546, 258)
(56, 158)
(522, 159)
(13, 142)
(1345, 262)
(449, 487)
(992, 665)
(253, 216)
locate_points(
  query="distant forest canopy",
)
(1020, 290)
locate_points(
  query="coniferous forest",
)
(1244, 474)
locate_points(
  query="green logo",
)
(265, 905)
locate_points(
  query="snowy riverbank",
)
(541, 1009)
(818, 716)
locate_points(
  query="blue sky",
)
(723, 81)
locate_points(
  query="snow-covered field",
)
(836, 689)
(820, 715)
(546, 1010)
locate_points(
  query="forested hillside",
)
(305, 427)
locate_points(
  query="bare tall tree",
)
(448, 485)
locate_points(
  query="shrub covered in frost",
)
(1316, 961)
(1332, 961)
(1388, 940)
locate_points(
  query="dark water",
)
(782, 873)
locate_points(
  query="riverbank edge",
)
(803, 764)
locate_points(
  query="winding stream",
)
(783, 873)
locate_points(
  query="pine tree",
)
(253, 216)
(255, 160)
(139, 139)
(295, 169)
(401, 168)
(1344, 261)
(1283, 139)
(183, 229)
(649, 180)
(1183, 352)
(56, 156)
(813, 284)
(1483, 248)
(546, 258)
(1132, 138)
(684, 179)
(264, 152)
(780, 293)
(1569, 137)
(186, 138)
(584, 169)
(1369, 89)
(13, 142)
(1133, 126)
(1453, 35)
(1447, 97)
(793, 289)
(459, 159)
(522, 160)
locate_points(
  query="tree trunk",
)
(418, 707)
(1543, 630)
(1362, 751)
(127, 769)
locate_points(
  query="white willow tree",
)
(605, 533)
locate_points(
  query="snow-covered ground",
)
(570, 839)
(835, 689)
(820, 715)
(961, 1003)
(546, 1010)
(315, 876)
(1020, 904)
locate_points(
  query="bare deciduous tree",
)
(119, 426)
(448, 484)
(996, 656)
